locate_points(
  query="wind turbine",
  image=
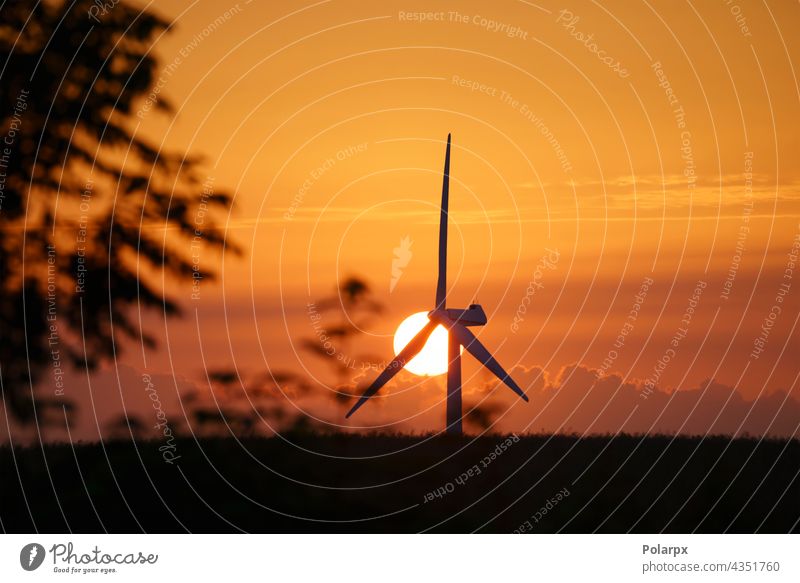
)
(456, 321)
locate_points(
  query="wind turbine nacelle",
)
(472, 316)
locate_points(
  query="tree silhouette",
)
(481, 416)
(352, 307)
(91, 214)
(126, 425)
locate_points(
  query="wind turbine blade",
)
(441, 285)
(478, 350)
(410, 351)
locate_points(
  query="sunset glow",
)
(607, 162)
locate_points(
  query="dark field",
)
(269, 485)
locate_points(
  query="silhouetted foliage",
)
(223, 377)
(85, 201)
(353, 295)
(125, 426)
(345, 394)
(481, 416)
(245, 405)
(337, 320)
(54, 412)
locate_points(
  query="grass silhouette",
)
(389, 483)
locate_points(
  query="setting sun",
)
(432, 359)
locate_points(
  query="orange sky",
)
(328, 121)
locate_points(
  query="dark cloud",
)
(580, 399)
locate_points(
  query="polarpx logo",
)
(31, 556)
